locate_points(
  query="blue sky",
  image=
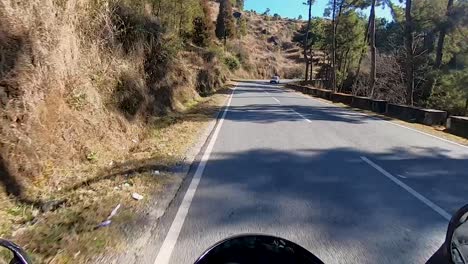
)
(294, 8)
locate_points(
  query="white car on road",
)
(275, 79)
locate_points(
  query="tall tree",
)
(350, 41)
(240, 4)
(225, 23)
(203, 27)
(306, 41)
(334, 47)
(409, 61)
(372, 48)
(207, 17)
(361, 54)
(442, 33)
(316, 34)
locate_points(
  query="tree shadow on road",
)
(333, 200)
(270, 113)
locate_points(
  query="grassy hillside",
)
(84, 86)
(268, 49)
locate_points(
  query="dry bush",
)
(389, 84)
(288, 45)
(293, 73)
(210, 78)
(130, 95)
(240, 51)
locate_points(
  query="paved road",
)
(347, 187)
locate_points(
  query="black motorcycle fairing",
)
(258, 249)
(19, 256)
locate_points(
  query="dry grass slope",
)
(270, 49)
(266, 49)
(82, 85)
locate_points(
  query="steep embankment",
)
(84, 87)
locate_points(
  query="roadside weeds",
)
(69, 231)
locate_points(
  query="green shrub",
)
(232, 63)
(451, 93)
(239, 51)
(212, 53)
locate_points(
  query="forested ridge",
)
(418, 58)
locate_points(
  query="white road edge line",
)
(424, 133)
(390, 122)
(278, 101)
(164, 254)
(299, 114)
(420, 197)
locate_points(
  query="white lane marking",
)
(299, 114)
(170, 241)
(424, 133)
(272, 97)
(401, 176)
(381, 119)
(420, 197)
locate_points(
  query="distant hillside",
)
(269, 43)
(266, 49)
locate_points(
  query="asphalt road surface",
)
(348, 187)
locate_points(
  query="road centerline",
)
(419, 196)
(299, 114)
(165, 252)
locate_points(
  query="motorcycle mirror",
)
(19, 256)
(456, 242)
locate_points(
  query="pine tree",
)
(442, 34)
(240, 4)
(203, 27)
(225, 23)
(373, 73)
(409, 53)
(306, 40)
